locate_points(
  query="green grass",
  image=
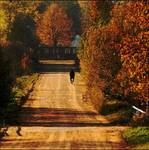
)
(137, 138)
(23, 83)
(21, 89)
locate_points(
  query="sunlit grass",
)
(137, 137)
(21, 89)
(23, 83)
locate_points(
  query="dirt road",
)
(57, 117)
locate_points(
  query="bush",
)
(5, 81)
(142, 120)
(5, 85)
(20, 57)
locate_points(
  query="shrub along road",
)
(57, 117)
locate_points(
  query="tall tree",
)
(131, 18)
(96, 13)
(11, 9)
(74, 12)
(96, 54)
(23, 30)
(54, 27)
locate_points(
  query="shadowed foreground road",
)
(57, 117)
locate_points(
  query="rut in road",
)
(57, 117)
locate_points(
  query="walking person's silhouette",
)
(72, 76)
(18, 131)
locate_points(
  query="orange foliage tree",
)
(96, 13)
(94, 54)
(114, 53)
(54, 27)
(133, 49)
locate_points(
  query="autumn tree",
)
(73, 11)
(17, 34)
(23, 30)
(13, 8)
(54, 27)
(96, 13)
(96, 54)
(114, 51)
(131, 20)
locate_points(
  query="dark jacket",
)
(72, 74)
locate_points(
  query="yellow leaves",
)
(3, 25)
(127, 34)
(93, 12)
(134, 44)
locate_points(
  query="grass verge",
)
(137, 138)
(23, 87)
(20, 92)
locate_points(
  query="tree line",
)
(114, 50)
(24, 26)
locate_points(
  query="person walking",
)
(72, 76)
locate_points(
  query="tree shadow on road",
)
(58, 117)
(58, 66)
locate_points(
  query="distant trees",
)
(13, 8)
(96, 13)
(54, 27)
(23, 30)
(17, 29)
(73, 11)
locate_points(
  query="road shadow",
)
(57, 66)
(56, 117)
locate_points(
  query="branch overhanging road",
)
(57, 117)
